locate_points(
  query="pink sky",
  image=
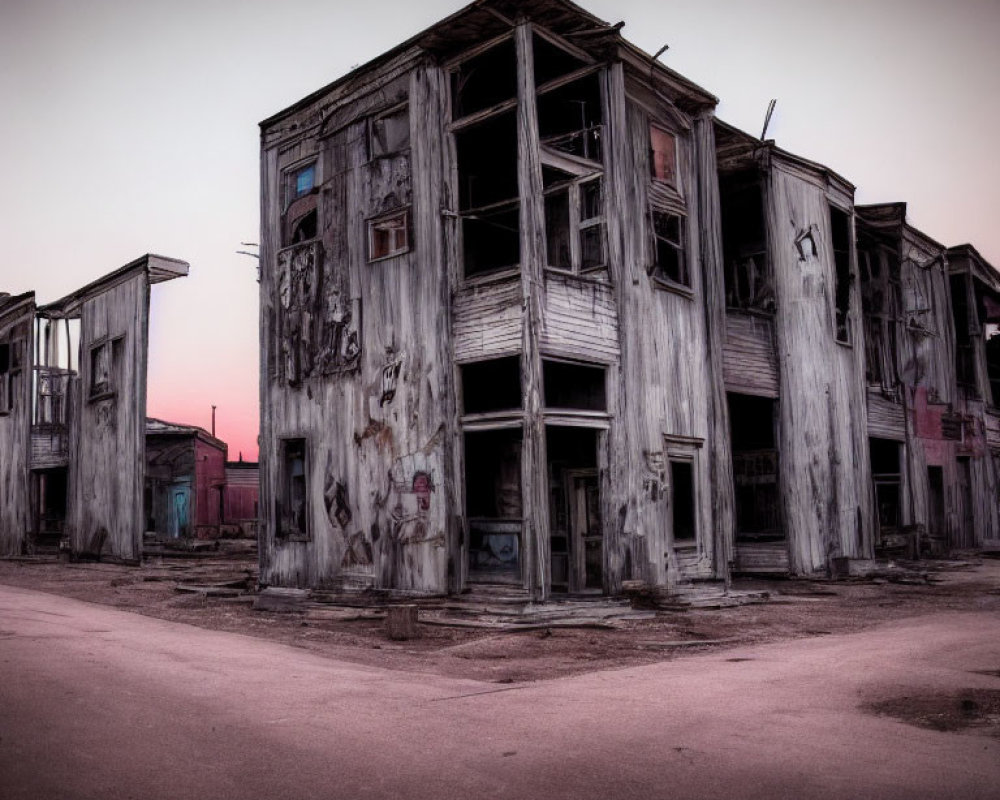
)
(131, 127)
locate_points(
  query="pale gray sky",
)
(131, 127)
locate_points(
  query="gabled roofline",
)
(420, 42)
(158, 268)
(180, 429)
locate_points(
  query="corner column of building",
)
(534, 481)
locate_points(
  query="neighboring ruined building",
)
(531, 316)
(241, 498)
(72, 424)
(185, 481)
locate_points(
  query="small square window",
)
(389, 236)
(305, 181)
(663, 155)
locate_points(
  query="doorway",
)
(576, 532)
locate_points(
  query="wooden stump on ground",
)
(401, 623)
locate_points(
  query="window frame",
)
(281, 533)
(373, 222)
(374, 119)
(673, 182)
(656, 273)
(308, 201)
(97, 392)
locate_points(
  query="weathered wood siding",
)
(376, 482)
(749, 363)
(886, 416)
(579, 318)
(15, 426)
(824, 471)
(487, 320)
(108, 444)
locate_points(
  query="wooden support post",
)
(401, 623)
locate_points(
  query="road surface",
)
(99, 703)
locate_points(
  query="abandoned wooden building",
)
(73, 414)
(532, 316)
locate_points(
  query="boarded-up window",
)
(389, 236)
(663, 155)
(291, 512)
(670, 261)
(390, 133)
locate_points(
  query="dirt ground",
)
(172, 588)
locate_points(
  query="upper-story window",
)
(104, 366)
(669, 253)
(300, 220)
(389, 133)
(10, 368)
(575, 234)
(840, 234)
(570, 118)
(748, 278)
(663, 155)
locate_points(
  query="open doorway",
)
(493, 505)
(755, 468)
(49, 492)
(576, 535)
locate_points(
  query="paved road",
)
(98, 703)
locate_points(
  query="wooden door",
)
(178, 511)
(586, 531)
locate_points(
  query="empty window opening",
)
(993, 361)
(840, 226)
(576, 534)
(935, 502)
(105, 365)
(682, 500)
(10, 367)
(755, 468)
(51, 488)
(965, 359)
(389, 236)
(389, 133)
(485, 80)
(749, 284)
(291, 513)
(663, 155)
(574, 386)
(880, 304)
(886, 474)
(670, 259)
(493, 504)
(574, 222)
(488, 195)
(490, 386)
(551, 61)
(558, 252)
(570, 119)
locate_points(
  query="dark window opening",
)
(303, 228)
(105, 364)
(749, 283)
(292, 503)
(389, 133)
(880, 304)
(663, 155)
(8, 383)
(840, 227)
(935, 502)
(557, 230)
(570, 118)
(682, 505)
(885, 461)
(993, 364)
(484, 80)
(491, 240)
(670, 261)
(551, 61)
(490, 386)
(5, 357)
(493, 504)
(965, 360)
(389, 236)
(300, 220)
(51, 497)
(574, 386)
(755, 468)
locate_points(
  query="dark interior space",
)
(886, 473)
(682, 501)
(755, 468)
(484, 80)
(575, 531)
(493, 385)
(575, 386)
(840, 225)
(570, 118)
(552, 62)
(744, 242)
(493, 504)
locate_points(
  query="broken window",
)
(389, 235)
(880, 304)
(663, 155)
(886, 474)
(552, 61)
(576, 532)
(105, 362)
(669, 258)
(300, 220)
(755, 468)
(488, 195)
(291, 512)
(389, 133)
(490, 386)
(749, 284)
(570, 119)
(574, 386)
(682, 499)
(493, 504)
(485, 80)
(840, 227)
(574, 221)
